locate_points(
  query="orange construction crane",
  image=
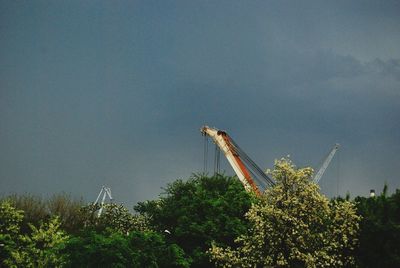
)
(245, 168)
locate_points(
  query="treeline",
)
(206, 222)
(380, 230)
(46, 237)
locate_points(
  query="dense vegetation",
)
(206, 222)
(380, 230)
(198, 212)
(293, 225)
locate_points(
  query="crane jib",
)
(245, 168)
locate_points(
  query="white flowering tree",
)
(294, 225)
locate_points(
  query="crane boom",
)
(105, 191)
(328, 159)
(236, 158)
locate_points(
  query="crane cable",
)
(254, 169)
(262, 179)
(205, 163)
(217, 158)
(338, 174)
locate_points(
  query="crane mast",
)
(234, 156)
(325, 164)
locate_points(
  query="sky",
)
(114, 93)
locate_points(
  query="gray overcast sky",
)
(114, 92)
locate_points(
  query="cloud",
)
(95, 94)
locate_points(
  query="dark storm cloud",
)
(99, 93)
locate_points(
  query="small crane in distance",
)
(325, 164)
(105, 191)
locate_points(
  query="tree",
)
(10, 218)
(113, 249)
(39, 248)
(92, 249)
(38, 210)
(10, 221)
(34, 208)
(293, 225)
(152, 250)
(380, 230)
(198, 211)
(115, 216)
(67, 209)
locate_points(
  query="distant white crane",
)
(105, 191)
(325, 164)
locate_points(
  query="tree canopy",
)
(294, 225)
(380, 230)
(111, 249)
(205, 222)
(197, 211)
(39, 248)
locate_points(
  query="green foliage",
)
(293, 225)
(11, 218)
(34, 208)
(114, 216)
(41, 248)
(380, 230)
(7, 246)
(98, 250)
(152, 250)
(139, 249)
(37, 249)
(10, 221)
(198, 211)
(37, 210)
(67, 209)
